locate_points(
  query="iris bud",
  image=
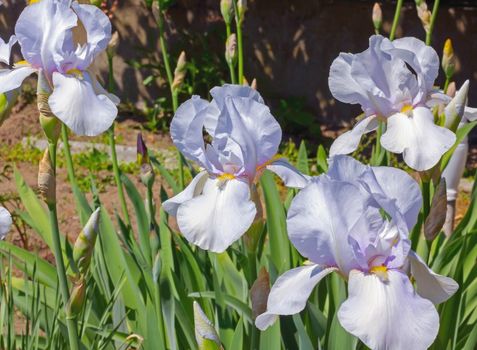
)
(47, 180)
(377, 17)
(84, 245)
(227, 10)
(448, 59)
(179, 72)
(205, 333)
(231, 49)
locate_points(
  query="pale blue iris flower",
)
(216, 208)
(49, 47)
(393, 82)
(338, 223)
(5, 222)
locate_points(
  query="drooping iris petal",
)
(290, 176)
(192, 190)
(388, 314)
(290, 293)
(43, 31)
(186, 129)
(253, 127)
(76, 104)
(5, 222)
(6, 49)
(98, 32)
(348, 142)
(219, 93)
(416, 136)
(11, 79)
(320, 219)
(219, 216)
(430, 285)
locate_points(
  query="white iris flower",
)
(44, 31)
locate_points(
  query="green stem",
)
(60, 264)
(397, 14)
(238, 23)
(435, 9)
(446, 84)
(174, 95)
(114, 156)
(117, 176)
(69, 159)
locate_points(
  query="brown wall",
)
(289, 45)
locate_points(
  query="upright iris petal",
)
(337, 223)
(216, 208)
(45, 32)
(5, 222)
(392, 82)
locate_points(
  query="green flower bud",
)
(231, 49)
(179, 72)
(84, 245)
(454, 111)
(448, 59)
(47, 179)
(241, 9)
(377, 17)
(227, 10)
(205, 333)
(146, 173)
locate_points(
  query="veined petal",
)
(219, 216)
(320, 219)
(429, 284)
(348, 142)
(388, 315)
(98, 32)
(44, 32)
(76, 104)
(187, 128)
(219, 93)
(6, 49)
(5, 222)
(11, 79)
(342, 85)
(416, 136)
(287, 172)
(290, 292)
(192, 190)
(253, 127)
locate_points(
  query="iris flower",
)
(5, 222)
(44, 31)
(337, 223)
(392, 82)
(216, 207)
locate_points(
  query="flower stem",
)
(446, 85)
(435, 9)
(114, 156)
(170, 79)
(397, 14)
(61, 271)
(238, 23)
(69, 160)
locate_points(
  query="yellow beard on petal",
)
(406, 109)
(380, 271)
(30, 2)
(76, 72)
(226, 176)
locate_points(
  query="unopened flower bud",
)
(179, 72)
(205, 333)
(147, 174)
(156, 269)
(77, 298)
(231, 49)
(377, 17)
(227, 10)
(253, 85)
(84, 245)
(46, 179)
(451, 89)
(241, 9)
(454, 111)
(448, 59)
(424, 14)
(113, 44)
